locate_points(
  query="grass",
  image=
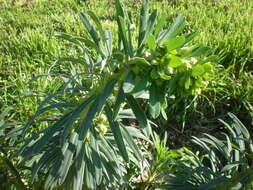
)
(225, 25)
(28, 46)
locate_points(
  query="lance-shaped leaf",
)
(108, 40)
(160, 24)
(173, 31)
(48, 134)
(154, 101)
(68, 154)
(119, 9)
(149, 29)
(45, 159)
(128, 84)
(92, 31)
(115, 127)
(139, 61)
(123, 34)
(141, 86)
(119, 100)
(96, 158)
(98, 24)
(139, 114)
(143, 22)
(197, 51)
(129, 139)
(79, 170)
(151, 41)
(191, 36)
(175, 43)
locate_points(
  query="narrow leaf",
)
(143, 22)
(115, 127)
(139, 114)
(128, 84)
(154, 101)
(175, 43)
(173, 31)
(92, 31)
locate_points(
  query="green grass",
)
(225, 25)
(28, 47)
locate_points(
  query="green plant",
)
(158, 165)
(219, 164)
(74, 151)
(9, 175)
(226, 164)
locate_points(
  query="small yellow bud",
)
(187, 63)
(198, 91)
(170, 70)
(102, 129)
(103, 117)
(147, 54)
(193, 60)
(205, 83)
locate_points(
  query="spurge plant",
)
(89, 143)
